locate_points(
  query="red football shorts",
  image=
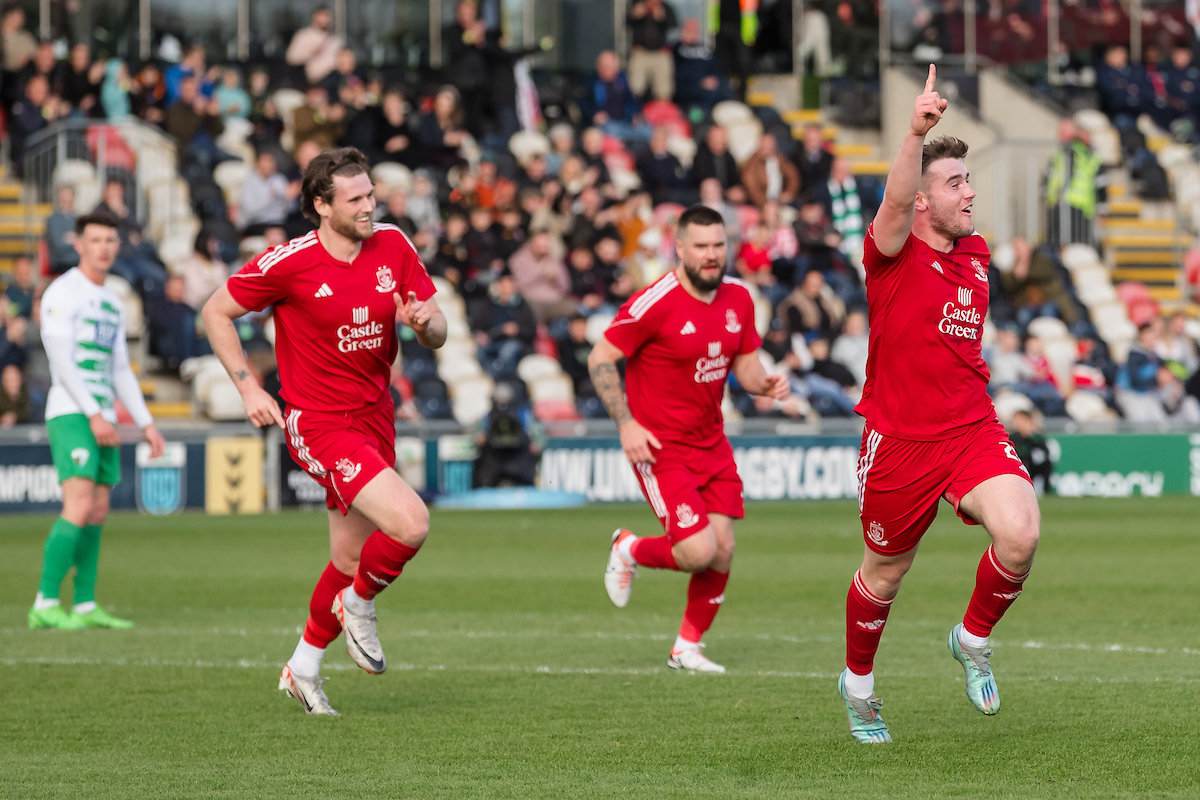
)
(685, 484)
(900, 481)
(343, 450)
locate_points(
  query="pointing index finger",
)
(930, 79)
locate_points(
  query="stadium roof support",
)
(435, 33)
(144, 29)
(969, 47)
(1052, 35)
(797, 46)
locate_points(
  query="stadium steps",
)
(1145, 245)
(21, 226)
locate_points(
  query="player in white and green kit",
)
(83, 331)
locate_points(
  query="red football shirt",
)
(335, 323)
(926, 375)
(679, 351)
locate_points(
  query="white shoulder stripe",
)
(282, 251)
(384, 226)
(733, 280)
(655, 293)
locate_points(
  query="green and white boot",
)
(53, 618)
(976, 663)
(99, 618)
(866, 726)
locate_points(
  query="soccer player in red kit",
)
(931, 430)
(337, 293)
(681, 337)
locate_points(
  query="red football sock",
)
(322, 626)
(866, 615)
(995, 590)
(382, 560)
(706, 592)
(653, 552)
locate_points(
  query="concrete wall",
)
(1012, 111)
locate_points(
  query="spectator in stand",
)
(233, 102)
(712, 196)
(845, 207)
(590, 220)
(394, 138)
(297, 224)
(19, 47)
(592, 141)
(1182, 80)
(396, 213)
(509, 439)
(1124, 90)
(194, 123)
(610, 265)
(713, 160)
(661, 173)
(1032, 286)
(650, 64)
(829, 369)
(148, 94)
(698, 79)
(60, 233)
(850, 349)
(318, 120)
(81, 80)
(33, 112)
(812, 309)
(1039, 383)
(1073, 187)
(1177, 349)
(754, 263)
(14, 397)
(203, 272)
(19, 293)
(1031, 447)
(345, 73)
(502, 86)
(259, 92)
(1176, 402)
(451, 262)
(174, 334)
(562, 146)
(573, 352)
(483, 257)
(266, 196)
(1140, 371)
(854, 34)
(767, 175)
(114, 92)
(1004, 360)
(588, 287)
(193, 65)
(813, 161)
(510, 234)
(466, 67)
(504, 327)
(734, 23)
(541, 278)
(137, 261)
(612, 105)
(782, 246)
(315, 48)
(13, 347)
(44, 63)
(818, 241)
(442, 131)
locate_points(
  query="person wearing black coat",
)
(713, 160)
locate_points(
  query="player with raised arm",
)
(931, 430)
(681, 336)
(83, 331)
(337, 293)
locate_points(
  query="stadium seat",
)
(1088, 407)
(534, 367)
(225, 402)
(597, 324)
(1077, 256)
(744, 136)
(391, 177)
(1048, 329)
(1061, 354)
(470, 384)
(552, 387)
(555, 411)
(455, 369)
(432, 399)
(471, 408)
(88, 194)
(1141, 407)
(683, 148)
(251, 246)
(1143, 310)
(727, 112)
(1008, 403)
(524, 145)
(230, 175)
(131, 305)
(456, 327)
(1129, 292)
(73, 171)
(457, 350)
(1093, 285)
(208, 373)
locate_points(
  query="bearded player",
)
(337, 293)
(931, 430)
(681, 336)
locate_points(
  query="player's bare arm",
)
(636, 441)
(748, 370)
(424, 317)
(894, 220)
(218, 314)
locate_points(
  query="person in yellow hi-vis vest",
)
(1073, 185)
(734, 24)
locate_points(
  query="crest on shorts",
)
(348, 469)
(980, 272)
(686, 516)
(160, 484)
(80, 456)
(731, 321)
(387, 283)
(876, 534)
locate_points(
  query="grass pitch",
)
(511, 675)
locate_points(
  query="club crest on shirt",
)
(686, 516)
(387, 283)
(731, 321)
(980, 272)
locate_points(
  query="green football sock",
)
(58, 556)
(87, 556)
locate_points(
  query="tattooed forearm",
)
(241, 375)
(607, 383)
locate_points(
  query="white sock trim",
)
(861, 686)
(683, 644)
(42, 603)
(356, 604)
(625, 549)
(968, 639)
(306, 661)
(84, 608)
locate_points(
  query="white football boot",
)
(693, 660)
(309, 691)
(362, 642)
(619, 575)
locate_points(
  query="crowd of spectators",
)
(542, 236)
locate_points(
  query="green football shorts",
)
(76, 454)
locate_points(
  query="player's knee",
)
(409, 524)
(98, 512)
(696, 552)
(1024, 530)
(723, 556)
